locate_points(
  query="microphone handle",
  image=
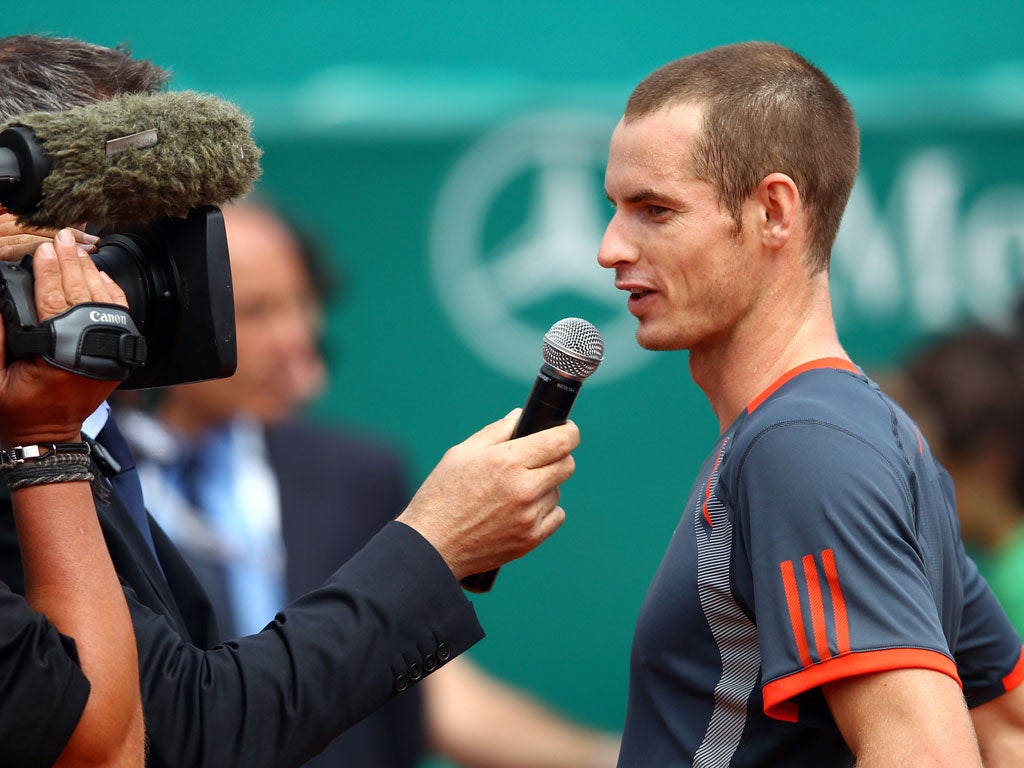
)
(547, 406)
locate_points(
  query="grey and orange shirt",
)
(820, 541)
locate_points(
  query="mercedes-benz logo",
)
(514, 238)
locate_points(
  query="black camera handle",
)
(97, 340)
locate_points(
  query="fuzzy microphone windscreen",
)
(136, 158)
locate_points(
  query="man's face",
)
(672, 246)
(277, 318)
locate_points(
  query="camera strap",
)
(96, 340)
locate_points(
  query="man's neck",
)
(773, 339)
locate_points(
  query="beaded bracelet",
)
(24, 466)
(19, 454)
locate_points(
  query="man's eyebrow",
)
(643, 195)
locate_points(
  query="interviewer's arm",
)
(392, 611)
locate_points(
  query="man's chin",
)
(657, 342)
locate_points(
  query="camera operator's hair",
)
(766, 109)
(50, 74)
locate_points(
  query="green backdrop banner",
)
(450, 157)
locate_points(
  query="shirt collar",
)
(96, 421)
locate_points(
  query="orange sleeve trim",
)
(825, 362)
(779, 694)
(1016, 677)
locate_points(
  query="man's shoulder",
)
(824, 397)
(831, 423)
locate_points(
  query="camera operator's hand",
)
(40, 403)
(492, 499)
(17, 241)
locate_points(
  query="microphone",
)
(129, 158)
(573, 348)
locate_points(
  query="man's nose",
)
(615, 246)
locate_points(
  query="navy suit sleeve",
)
(43, 689)
(387, 617)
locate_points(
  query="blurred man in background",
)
(966, 390)
(261, 523)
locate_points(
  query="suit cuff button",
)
(401, 683)
(415, 672)
(444, 652)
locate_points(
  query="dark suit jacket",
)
(331, 508)
(276, 698)
(337, 490)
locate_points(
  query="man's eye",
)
(657, 211)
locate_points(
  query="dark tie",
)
(124, 477)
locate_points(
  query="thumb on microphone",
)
(496, 432)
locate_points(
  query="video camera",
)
(177, 278)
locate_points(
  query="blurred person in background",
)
(966, 391)
(285, 519)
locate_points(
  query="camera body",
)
(176, 275)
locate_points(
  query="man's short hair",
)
(50, 74)
(766, 109)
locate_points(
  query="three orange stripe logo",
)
(815, 583)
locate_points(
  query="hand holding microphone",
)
(573, 349)
(491, 498)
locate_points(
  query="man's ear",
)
(779, 201)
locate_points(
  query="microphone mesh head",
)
(574, 347)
